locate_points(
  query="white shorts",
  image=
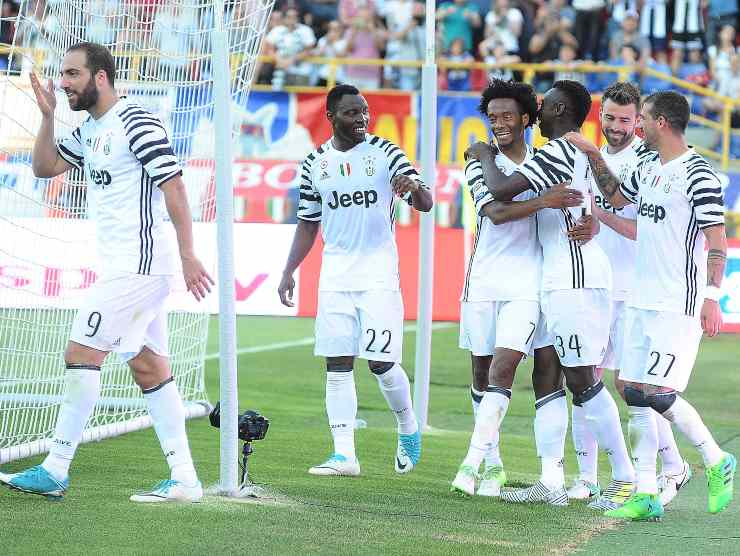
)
(578, 324)
(613, 357)
(541, 337)
(659, 348)
(124, 312)
(366, 324)
(486, 325)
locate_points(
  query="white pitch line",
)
(309, 340)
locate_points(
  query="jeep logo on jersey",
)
(603, 203)
(100, 177)
(652, 211)
(361, 198)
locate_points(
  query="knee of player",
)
(379, 367)
(77, 354)
(339, 364)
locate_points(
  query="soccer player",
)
(132, 176)
(501, 312)
(680, 211)
(576, 280)
(349, 186)
(620, 105)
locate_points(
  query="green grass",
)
(379, 512)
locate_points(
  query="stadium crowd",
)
(694, 40)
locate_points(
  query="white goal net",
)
(47, 253)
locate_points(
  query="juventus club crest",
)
(369, 165)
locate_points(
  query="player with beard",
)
(576, 280)
(133, 180)
(681, 255)
(620, 105)
(349, 187)
(500, 312)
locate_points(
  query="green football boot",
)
(721, 478)
(640, 507)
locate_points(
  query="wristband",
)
(713, 293)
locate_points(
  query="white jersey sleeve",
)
(552, 164)
(309, 204)
(399, 164)
(478, 190)
(149, 143)
(630, 186)
(705, 194)
(70, 149)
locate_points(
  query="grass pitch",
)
(379, 512)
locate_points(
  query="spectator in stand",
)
(563, 10)
(292, 42)
(365, 39)
(100, 27)
(720, 14)
(8, 21)
(589, 27)
(551, 32)
(409, 42)
(688, 30)
(653, 24)
(320, 12)
(506, 24)
(264, 70)
(629, 34)
(175, 29)
(331, 45)
(659, 63)
(458, 19)
(398, 15)
(721, 55)
(618, 10)
(568, 56)
(695, 70)
(494, 54)
(458, 79)
(350, 9)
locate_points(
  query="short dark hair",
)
(336, 94)
(672, 106)
(98, 58)
(579, 99)
(522, 93)
(622, 93)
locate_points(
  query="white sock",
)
(587, 450)
(475, 398)
(643, 434)
(168, 416)
(486, 432)
(684, 416)
(394, 384)
(341, 408)
(602, 419)
(82, 390)
(550, 430)
(670, 457)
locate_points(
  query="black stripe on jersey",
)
(75, 159)
(150, 225)
(569, 151)
(140, 121)
(321, 149)
(150, 124)
(374, 139)
(134, 113)
(307, 197)
(142, 222)
(156, 153)
(576, 255)
(692, 231)
(466, 288)
(310, 217)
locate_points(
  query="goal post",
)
(164, 60)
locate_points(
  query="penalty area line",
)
(309, 340)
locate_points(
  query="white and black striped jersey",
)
(620, 250)
(350, 193)
(498, 249)
(675, 201)
(566, 264)
(125, 156)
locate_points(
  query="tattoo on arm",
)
(608, 182)
(716, 259)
